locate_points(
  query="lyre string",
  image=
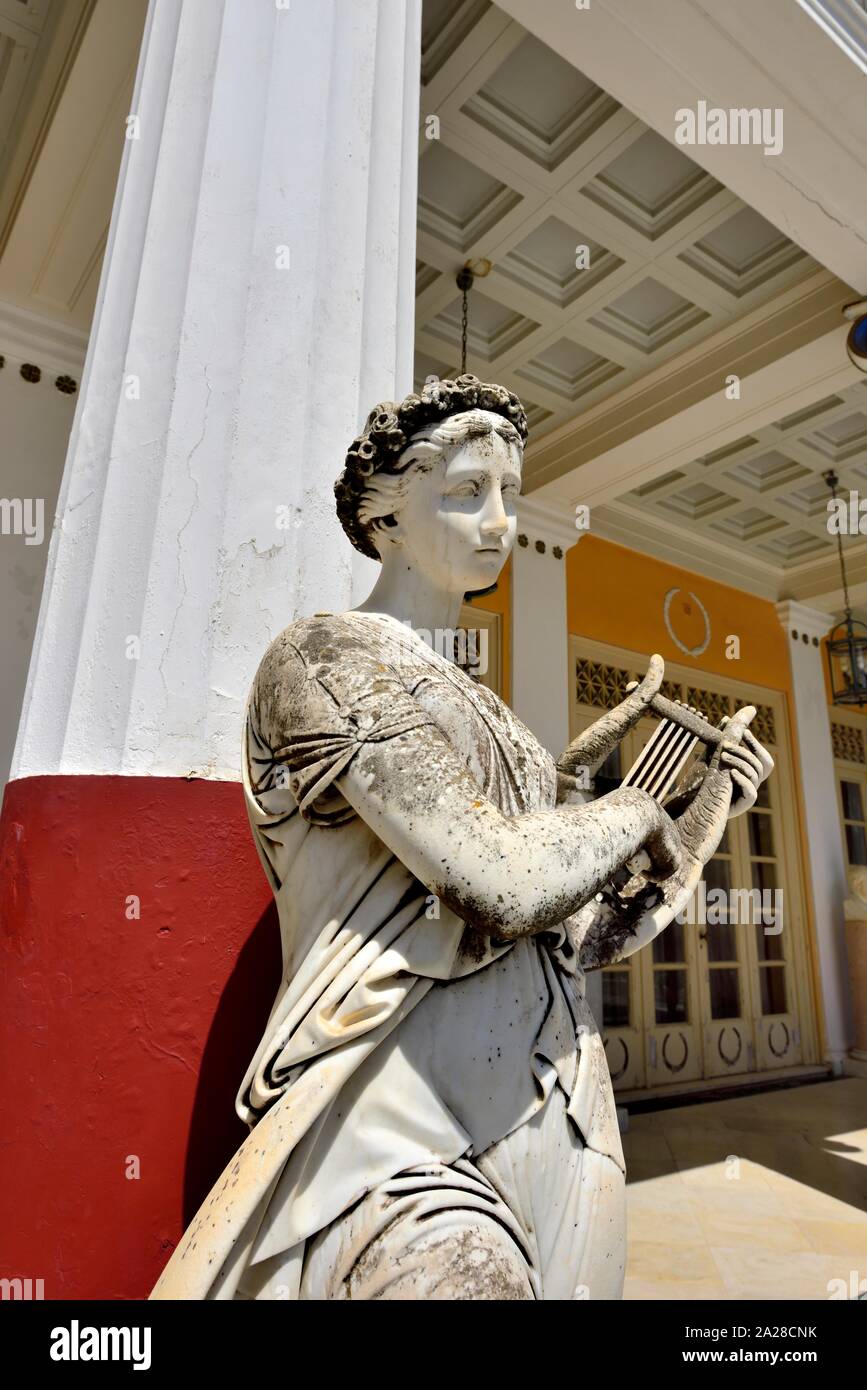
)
(662, 759)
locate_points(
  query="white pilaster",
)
(540, 638)
(805, 627)
(256, 301)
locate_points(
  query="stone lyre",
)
(669, 747)
(666, 753)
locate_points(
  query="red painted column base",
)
(123, 1038)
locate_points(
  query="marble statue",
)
(430, 1108)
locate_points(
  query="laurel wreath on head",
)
(390, 427)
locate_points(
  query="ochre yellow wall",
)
(617, 595)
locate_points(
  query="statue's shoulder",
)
(322, 640)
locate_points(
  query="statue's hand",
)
(661, 852)
(591, 748)
(733, 770)
(750, 764)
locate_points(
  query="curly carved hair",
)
(389, 428)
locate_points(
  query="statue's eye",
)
(470, 488)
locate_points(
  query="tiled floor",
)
(759, 1197)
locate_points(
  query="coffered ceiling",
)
(762, 500)
(679, 283)
(533, 162)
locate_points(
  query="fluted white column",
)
(805, 628)
(256, 300)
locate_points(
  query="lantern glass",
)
(847, 659)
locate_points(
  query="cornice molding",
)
(798, 617)
(28, 337)
(541, 521)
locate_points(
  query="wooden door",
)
(722, 992)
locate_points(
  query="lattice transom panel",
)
(848, 743)
(764, 726)
(596, 684)
(710, 703)
(605, 686)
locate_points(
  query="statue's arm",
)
(508, 876)
(607, 931)
(590, 749)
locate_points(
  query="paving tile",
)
(771, 1232)
(792, 1220)
(687, 1291)
(661, 1259)
(836, 1237)
(754, 1272)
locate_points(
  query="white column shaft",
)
(540, 637)
(827, 861)
(540, 640)
(256, 301)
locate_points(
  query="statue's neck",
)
(410, 597)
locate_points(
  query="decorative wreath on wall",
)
(666, 613)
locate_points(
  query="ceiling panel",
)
(612, 251)
(763, 496)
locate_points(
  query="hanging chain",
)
(832, 480)
(464, 282)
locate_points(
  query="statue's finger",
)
(760, 751)
(747, 790)
(746, 757)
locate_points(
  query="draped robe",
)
(399, 1034)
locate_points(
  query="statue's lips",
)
(489, 550)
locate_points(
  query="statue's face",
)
(457, 524)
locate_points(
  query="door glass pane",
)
(764, 794)
(856, 844)
(770, 905)
(611, 765)
(852, 808)
(768, 947)
(773, 978)
(718, 874)
(722, 942)
(725, 994)
(669, 996)
(721, 938)
(670, 946)
(615, 998)
(761, 833)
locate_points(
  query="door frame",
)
(632, 665)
